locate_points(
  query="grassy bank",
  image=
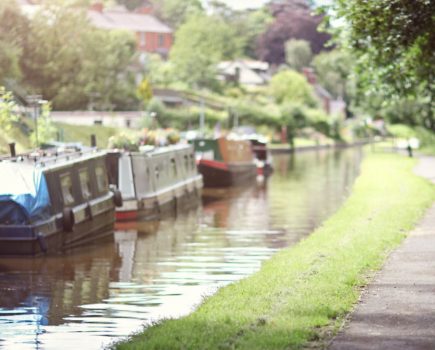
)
(69, 133)
(82, 133)
(303, 289)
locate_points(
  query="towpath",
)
(397, 311)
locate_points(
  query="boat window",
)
(85, 183)
(101, 177)
(156, 171)
(186, 162)
(67, 191)
(174, 167)
(192, 162)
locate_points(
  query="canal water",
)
(143, 272)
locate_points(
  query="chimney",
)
(97, 6)
(144, 10)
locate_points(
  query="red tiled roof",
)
(127, 21)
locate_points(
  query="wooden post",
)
(12, 149)
(93, 141)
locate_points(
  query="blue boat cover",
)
(24, 194)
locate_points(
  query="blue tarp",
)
(24, 194)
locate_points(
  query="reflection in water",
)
(146, 271)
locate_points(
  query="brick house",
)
(152, 35)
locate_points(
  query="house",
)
(152, 36)
(244, 72)
(329, 104)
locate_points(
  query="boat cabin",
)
(225, 162)
(53, 201)
(150, 181)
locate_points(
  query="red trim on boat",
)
(214, 164)
(126, 215)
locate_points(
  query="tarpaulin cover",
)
(24, 194)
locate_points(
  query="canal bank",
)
(303, 290)
(147, 271)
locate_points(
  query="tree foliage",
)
(334, 72)
(291, 86)
(199, 45)
(160, 72)
(292, 20)
(67, 60)
(13, 29)
(46, 128)
(130, 4)
(144, 91)
(298, 54)
(177, 12)
(8, 110)
(395, 44)
(247, 24)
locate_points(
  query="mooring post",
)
(93, 141)
(12, 149)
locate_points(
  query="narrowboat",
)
(154, 182)
(52, 202)
(225, 162)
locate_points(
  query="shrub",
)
(125, 142)
(291, 86)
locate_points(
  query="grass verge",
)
(307, 287)
(82, 133)
(69, 132)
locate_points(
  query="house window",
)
(161, 40)
(142, 38)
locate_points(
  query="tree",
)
(160, 72)
(291, 86)
(200, 44)
(46, 129)
(130, 4)
(144, 91)
(293, 20)
(8, 108)
(247, 24)
(13, 30)
(394, 41)
(177, 12)
(105, 70)
(334, 70)
(298, 54)
(67, 60)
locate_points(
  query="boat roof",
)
(151, 150)
(51, 159)
(171, 148)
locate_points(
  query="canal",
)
(143, 272)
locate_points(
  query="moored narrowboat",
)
(225, 162)
(53, 202)
(154, 181)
